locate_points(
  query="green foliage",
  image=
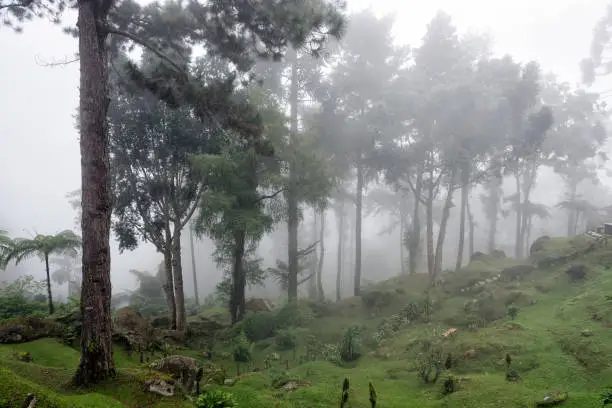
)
(241, 349)
(344, 397)
(449, 385)
(373, 397)
(286, 339)
(293, 315)
(21, 298)
(350, 345)
(376, 298)
(513, 311)
(216, 399)
(259, 326)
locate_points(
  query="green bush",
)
(350, 345)
(292, 315)
(241, 350)
(22, 297)
(259, 326)
(513, 312)
(216, 399)
(376, 298)
(286, 339)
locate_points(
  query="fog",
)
(40, 160)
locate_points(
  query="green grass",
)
(561, 340)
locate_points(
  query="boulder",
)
(538, 244)
(159, 386)
(258, 305)
(22, 330)
(183, 369)
(132, 330)
(213, 375)
(203, 327)
(516, 272)
(477, 256)
(161, 322)
(129, 319)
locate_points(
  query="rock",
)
(586, 333)
(132, 330)
(539, 244)
(294, 385)
(516, 272)
(576, 272)
(203, 327)
(498, 254)
(258, 305)
(184, 369)
(172, 336)
(160, 387)
(129, 319)
(229, 382)
(469, 354)
(27, 329)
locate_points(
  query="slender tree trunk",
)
(358, 210)
(494, 187)
(340, 221)
(572, 218)
(442, 231)
(465, 191)
(312, 283)
(177, 274)
(168, 285)
(238, 302)
(292, 202)
(193, 267)
(518, 246)
(96, 335)
(320, 293)
(415, 233)
(351, 251)
(49, 296)
(471, 231)
(401, 244)
(430, 247)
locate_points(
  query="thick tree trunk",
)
(292, 202)
(177, 274)
(442, 233)
(49, 295)
(96, 200)
(465, 190)
(340, 221)
(193, 267)
(237, 301)
(320, 293)
(415, 234)
(168, 285)
(358, 210)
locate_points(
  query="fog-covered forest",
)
(274, 189)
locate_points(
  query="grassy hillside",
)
(560, 340)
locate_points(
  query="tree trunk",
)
(168, 285)
(430, 247)
(572, 217)
(471, 231)
(401, 248)
(442, 231)
(340, 221)
(96, 335)
(177, 274)
(320, 293)
(238, 302)
(494, 187)
(465, 190)
(358, 209)
(312, 283)
(193, 267)
(49, 296)
(518, 245)
(292, 203)
(415, 233)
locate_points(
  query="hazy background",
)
(39, 157)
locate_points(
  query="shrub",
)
(259, 326)
(450, 385)
(412, 312)
(216, 399)
(576, 272)
(513, 311)
(350, 345)
(292, 315)
(286, 340)
(241, 350)
(320, 308)
(376, 299)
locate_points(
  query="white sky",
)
(39, 154)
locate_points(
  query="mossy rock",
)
(552, 400)
(22, 330)
(213, 375)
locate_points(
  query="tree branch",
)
(270, 196)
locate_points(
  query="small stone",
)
(229, 382)
(586, 333)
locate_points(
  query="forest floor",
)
(559, 341)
